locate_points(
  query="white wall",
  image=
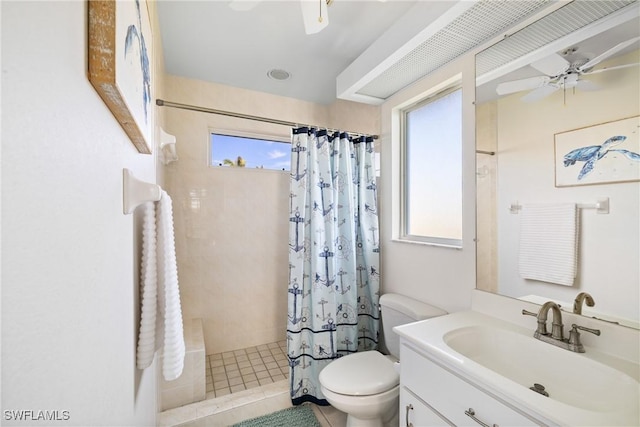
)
(609, 244)
(69, 263)
(232, 223)
(437, 275)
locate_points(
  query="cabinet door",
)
(456, 399)
(416, 413)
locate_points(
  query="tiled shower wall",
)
(231, 224)
(486, 246)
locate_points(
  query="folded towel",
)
(161, 318)
(549, 243)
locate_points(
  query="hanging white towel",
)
(161, 320)
(549, 243)
(149, 294)
(169, 294)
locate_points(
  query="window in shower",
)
(249, 151)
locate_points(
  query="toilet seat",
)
(360, 374)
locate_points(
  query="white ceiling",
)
(586, 40)
(207, 40)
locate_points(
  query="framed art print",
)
(599, 154)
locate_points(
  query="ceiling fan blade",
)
(520, 85)
(552, 65)
(243, 5)
(540, 93)
(586, 85)
(617, 48)
(314, 15)
(617, 67)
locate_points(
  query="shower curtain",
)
(333, 255)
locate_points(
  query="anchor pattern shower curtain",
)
(333, 255)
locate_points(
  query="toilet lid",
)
(360, 374)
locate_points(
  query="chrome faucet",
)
(556, 337)
(580, 299)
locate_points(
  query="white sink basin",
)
(568, 377)
(585, 389)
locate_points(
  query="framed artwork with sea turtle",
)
(599, 154)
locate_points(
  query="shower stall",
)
(231, 231)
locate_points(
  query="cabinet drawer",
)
(451, 396)
(416, 413)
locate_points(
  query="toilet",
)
(365, 385)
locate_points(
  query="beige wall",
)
(486, 170)
(609, 244)
(231, 223)
(69, 255)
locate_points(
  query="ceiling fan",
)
(562, 73)
(314, 12)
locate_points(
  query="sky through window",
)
(255, 153)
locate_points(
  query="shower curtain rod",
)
(163, 103)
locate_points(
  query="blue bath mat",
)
(298, 416)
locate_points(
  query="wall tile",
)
(231, 224)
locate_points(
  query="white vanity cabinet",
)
(431, 395)
(416, 413)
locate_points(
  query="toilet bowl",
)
(366, 385)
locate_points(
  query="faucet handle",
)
(575, 327)
(574, 337)
(542, 326)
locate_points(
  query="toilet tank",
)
(399, 310)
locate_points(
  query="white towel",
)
(549, 243)
(149, 281)
(169, 293)
(161, 319)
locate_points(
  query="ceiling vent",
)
(462, 27)
(567, 25)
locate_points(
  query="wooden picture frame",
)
(121, 64)
(600, 154)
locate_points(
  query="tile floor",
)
(244, 384)
(244, 369)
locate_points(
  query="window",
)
(432, 176)
(249, 152)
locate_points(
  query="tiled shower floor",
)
(244, 369)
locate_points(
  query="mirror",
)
(566, 80)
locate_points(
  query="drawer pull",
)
(409, 408)
(472, 414)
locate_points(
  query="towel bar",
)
(601, 206)
(136, 192)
